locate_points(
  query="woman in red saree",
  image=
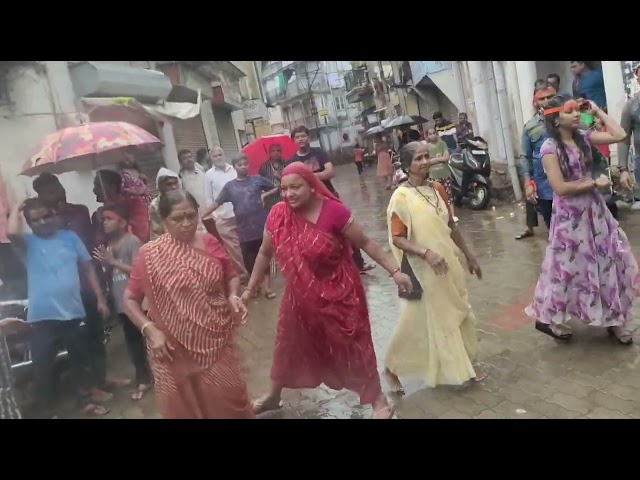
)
(323, 333)
(194, 308)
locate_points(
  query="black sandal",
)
(525, 234)
(546, 329)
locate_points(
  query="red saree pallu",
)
(323, 332)
(186, 290)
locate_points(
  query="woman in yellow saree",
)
(435, 340)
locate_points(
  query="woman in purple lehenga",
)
(589, 272)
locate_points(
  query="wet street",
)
(530, 375)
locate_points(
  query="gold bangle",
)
(145, 326)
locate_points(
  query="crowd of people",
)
(177, 271)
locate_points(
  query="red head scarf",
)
(299, 168)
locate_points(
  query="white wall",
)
(562, 68)
(36, 93)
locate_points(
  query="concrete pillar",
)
(169, 150)
(527, 76)
(505, 118)
(616, 96)
(495, 116)
(470, 106)
(458, 77)
(62, 94)
(209, 123)
(396, 66)
(482, 102)
(511, 77)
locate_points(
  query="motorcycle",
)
(470, 172)
(19, 344)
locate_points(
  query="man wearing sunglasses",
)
(537, 189)
(55, 258)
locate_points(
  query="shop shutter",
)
(226, 132)
(189, 134)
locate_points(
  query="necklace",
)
(429, 184)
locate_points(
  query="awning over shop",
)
(105, 79)
(131, 106)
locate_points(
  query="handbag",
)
(416, 292)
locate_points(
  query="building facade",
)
(314, 94)
(186, 105)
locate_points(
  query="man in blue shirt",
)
(537, 189)
(56, 313)
(588, 84)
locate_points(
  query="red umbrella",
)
(258, 150)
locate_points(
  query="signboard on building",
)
(254, 109)
(323, 112)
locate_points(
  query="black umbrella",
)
(406, 121)
(375, 130)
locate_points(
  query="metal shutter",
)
(189, 134)
(226, 132)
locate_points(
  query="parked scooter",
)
(470, 171)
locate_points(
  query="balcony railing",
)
(356, 78)
(294, 89)
(309, 121)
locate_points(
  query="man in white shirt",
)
(214, 180)
(192, 176)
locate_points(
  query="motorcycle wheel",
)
(479, 197)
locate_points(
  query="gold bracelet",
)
(145, 326)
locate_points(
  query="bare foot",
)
(100, 396)
(266, 404)
(481, 374)
(393, 381)
(93, 410)
(382, 410)
(141, 391)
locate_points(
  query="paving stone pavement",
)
(530, 374)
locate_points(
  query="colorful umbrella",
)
(88, 146)
(258, 150)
